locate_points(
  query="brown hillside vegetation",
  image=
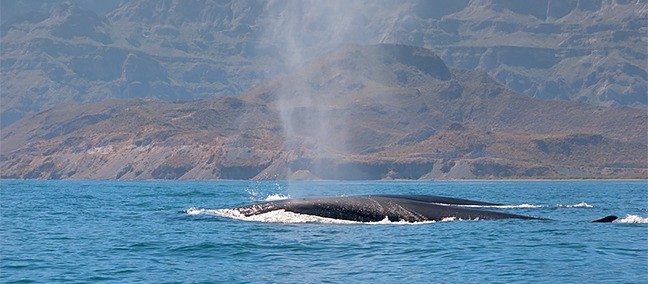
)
(364, 112)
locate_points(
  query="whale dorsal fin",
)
(606, 219)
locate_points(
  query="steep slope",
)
(363, 112)
(142, 139)
(399, 104)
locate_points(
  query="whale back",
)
(374, 208)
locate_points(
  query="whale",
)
(374, 208)
(395, 208)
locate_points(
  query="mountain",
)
(62, 52)
(383, 111)
(71, 54)
(142, 139)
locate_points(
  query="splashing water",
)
(524, 205)
(199, 211)
(255, 193)
(531, 206)
(287, 217)
(633, 219)
(276, 196)
(579, 205)
(278, 216)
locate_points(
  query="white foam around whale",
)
(279, 216)
(276, 196)
(633, 219)
(525, 205)
(286, 217)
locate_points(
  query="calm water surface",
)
(166, 232)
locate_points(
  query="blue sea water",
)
(172, 232)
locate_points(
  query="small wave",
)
(579, 205)
(200, 211)
(633, 219)
(386, 221)
(452, 219)
(276, 196)
(525, 205)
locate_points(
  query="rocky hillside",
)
(54, 52)
(362, 112)
(143, 139)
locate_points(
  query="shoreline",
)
(569, 179)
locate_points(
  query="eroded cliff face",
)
(86, 51)
(224, 138)
(362, 112)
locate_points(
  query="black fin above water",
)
(606, 219)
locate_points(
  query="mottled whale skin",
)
(374, 208)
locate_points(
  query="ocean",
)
(180, 232)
